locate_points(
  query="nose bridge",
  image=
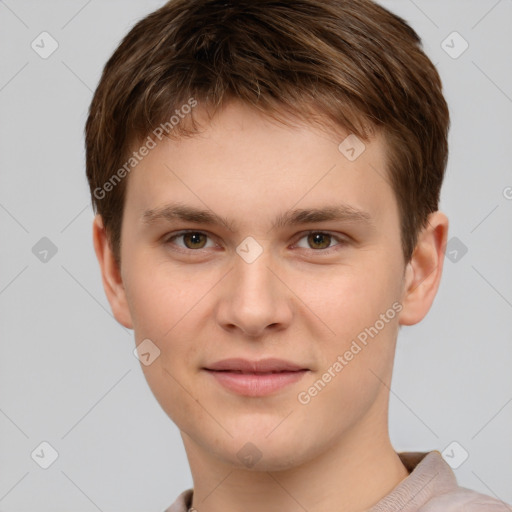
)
(257, 299)
(254, 281)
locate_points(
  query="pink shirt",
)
(430, 487)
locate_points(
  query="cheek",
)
(167, 385)
(342, 301)
(360, 308)
(339, 403)
(163, 318)
(157, 295)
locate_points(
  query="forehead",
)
(244, 167)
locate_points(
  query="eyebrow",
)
(178, 211)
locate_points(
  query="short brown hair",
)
(351, 62)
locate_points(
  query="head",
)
(251, 110)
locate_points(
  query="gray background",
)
(67, 372)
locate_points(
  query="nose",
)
(255, 298)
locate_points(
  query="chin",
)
(264, 452)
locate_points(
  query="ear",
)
(423, 272)
(110, 274)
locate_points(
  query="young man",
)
(266, 177)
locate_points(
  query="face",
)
(274, 278)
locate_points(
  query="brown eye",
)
(189, 240)
(194, 240)
(319, 240)
(322, 242)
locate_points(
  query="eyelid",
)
(176, 234)
(340, 238)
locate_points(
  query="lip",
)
(261, 366)
(256, 384)
(255, 378)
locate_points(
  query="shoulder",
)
(433, 487)
(182, 502)
(462, 499)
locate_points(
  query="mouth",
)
(255, 378)
(263, 366)
(255, 373)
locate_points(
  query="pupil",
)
(195, 237)
(317, 238)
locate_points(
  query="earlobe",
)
(110, 274)
(423, 272)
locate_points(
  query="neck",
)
(351, 474)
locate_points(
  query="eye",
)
(193, 240)
(320, 240)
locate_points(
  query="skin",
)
(301, 300)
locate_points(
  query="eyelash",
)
(328, 250)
